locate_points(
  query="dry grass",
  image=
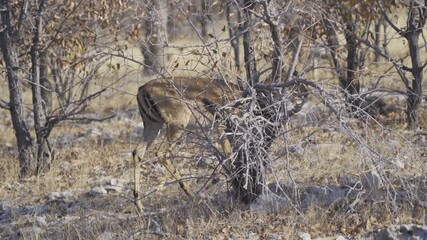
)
(170, 214)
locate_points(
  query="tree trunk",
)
(333, 44)
(249, 54)
(416, 22)
(46, 86)
(232, 32)
(249, 177)
(351, 83)
(203, 18)
(415, 93)
(380, 22)
(43, 149)
(277, 53)
(23, 137)
(155, 32)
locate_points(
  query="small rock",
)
(37, 209)
(40, 221)
(53, 196)
(114, 182)
(10, 187)
(304, 236)
(65, 139)
(110, 184)
(324, 195)
(269, 203)
(253, 236)
(350, 180)
(103, 181)
(68, 219)
(399, 163)
(29, 232)
(371, 180)
(276, 236)
(333, 238)
(397, 232)
(126, 155)
(6, 231)
(341, 238)
(93, 132)
(4, 206)
(111, 188)
(56, 196)
(98, 191)
(107, 236)
(64, 166)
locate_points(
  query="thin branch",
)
(274, 86)
(406, 68)
(323, 93)
(57, 119)
(80, 103)
(397, 65)
(125, 58)
(4, 105)
(277, 44)
(405, 80)
(399, 31)
(22, 17)
(52, 121)
(71, 115)
(424, 65)
(295, 60)
(92, 96)
(5, 16)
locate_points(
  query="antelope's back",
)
(178, 98)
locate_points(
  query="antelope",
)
(173, 102)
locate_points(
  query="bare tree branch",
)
(79, 104)
(294, 60)
(383, 12)
(4, 105)
(22, 17)
(396, 63)
(85, 119)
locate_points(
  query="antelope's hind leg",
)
(151, 131)
(173, 134)
(137, 186)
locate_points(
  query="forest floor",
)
(87, 194)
